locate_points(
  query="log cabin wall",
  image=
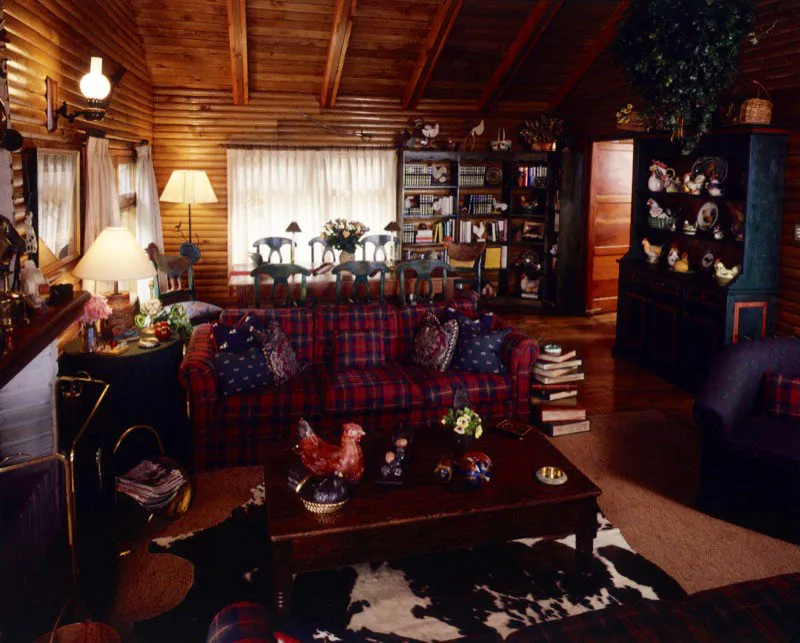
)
(56, 38)
(192, 126)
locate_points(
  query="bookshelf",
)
(459, 196)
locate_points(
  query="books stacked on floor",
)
(554, 394)
(151, 484)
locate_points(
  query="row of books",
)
(471, 176)
(422, 175)
(531, 176)
(479, 203)
(428, 205)
(496, 258)
(151, 484)
(491, 231)
(554, 394)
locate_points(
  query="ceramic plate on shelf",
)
(711, 167)
(707, 261)
(707, 216)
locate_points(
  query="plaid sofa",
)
(234, 430)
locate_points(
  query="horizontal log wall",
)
(56, 38)
(192, 125)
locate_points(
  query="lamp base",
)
(122, 310)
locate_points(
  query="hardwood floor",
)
(612, 384)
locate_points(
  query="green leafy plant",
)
(464, 422)
(681, 56)
(178, 321)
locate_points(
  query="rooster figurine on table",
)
(172, 266)
(323, 459)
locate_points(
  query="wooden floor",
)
(612, 384)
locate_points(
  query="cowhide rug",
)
(479, 592)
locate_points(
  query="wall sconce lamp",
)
(96, 89)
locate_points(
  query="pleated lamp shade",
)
(114, 256)
(188, 186)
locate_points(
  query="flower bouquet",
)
(178, 321)
(95, 310)
(464, 422)
(343, 234)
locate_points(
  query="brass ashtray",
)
(320, 508)
(551, 475)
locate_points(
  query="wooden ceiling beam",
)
(527, 38)
(237, 42)
(588, 58)
(441, 26)
(343, 13)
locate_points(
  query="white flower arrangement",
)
(343, 234)
(464, 422)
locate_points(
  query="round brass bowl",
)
(551, 475)
(322, 509)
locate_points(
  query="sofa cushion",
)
(299, 396)
(278, 352)
(370, 389)
(479, 353)
(435, 343)
(409, 318)
(198, 312)
(238, 372)
(482, 387)
(436, 387)
(296, 323)
(235, 337)
(359, 349)
(778, 436)
(481, 325)
(780, 394)
(331, 320)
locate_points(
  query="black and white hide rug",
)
(477, 592)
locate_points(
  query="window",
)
(126, 186)
(268, 189)
(58, 176)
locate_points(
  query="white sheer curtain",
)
(268, 189)
(57, 179)
(102, 198)
(148, 210)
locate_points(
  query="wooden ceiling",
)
(475, 52)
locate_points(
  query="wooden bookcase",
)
(455, 194)
(674, 323)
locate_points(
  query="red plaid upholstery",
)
(483, 387)
(198, 377)
(436, 386)
(359, 349)
(298, 396)
(519, 353)
(409, 317)
(296, 323)
(781, 394)
(331, 320)
(241, 623)
(382, 387)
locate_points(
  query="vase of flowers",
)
(344, 235)
(95, 310)
(466, 425)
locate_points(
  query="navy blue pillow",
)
(237, 338)
(481, 325)
(478, 353)
(237, 372)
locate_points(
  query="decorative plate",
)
(712, 167)
(494, 175)
(707, 261)
(707, 216)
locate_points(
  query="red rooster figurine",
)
(324, 459)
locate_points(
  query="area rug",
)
(482, 592)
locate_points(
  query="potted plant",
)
(94, 310)
(344, 235)
(542, 132)
(466, 425)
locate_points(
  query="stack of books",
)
(554, 394)
(151, 484)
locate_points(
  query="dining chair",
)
(274, 244)
(327, 247)
(280, 273)
(380, 241)
(361, 270)
(423, 270)
(466, 259)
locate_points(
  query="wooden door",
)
(609, 221)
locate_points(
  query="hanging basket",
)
(756, 111)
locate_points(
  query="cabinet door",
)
(631, 321)
(701, 339)
(662, 332)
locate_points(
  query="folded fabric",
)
(238, 372)
(780, 394)
(478, 353)
(281, 359)
(435, 343)
(483, 324)
(359, 349)
(238, 337)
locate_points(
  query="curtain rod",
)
(272, 146)
(113, 137)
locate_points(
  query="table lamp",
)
(394, 228)
(189, 186)
(294, 229)
(116, 256)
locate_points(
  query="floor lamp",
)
(189, 186)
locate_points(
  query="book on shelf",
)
(554, 373)
(546, 414)
(556, 429)
(532, 175)
(549, 379)
(529, 295)
(551, 366)
(471, 176)
(556, 398)
(544, 357)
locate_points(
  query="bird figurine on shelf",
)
(323, 459)
(652, 252)
(724, 275)
(682, 264)
(172, 266)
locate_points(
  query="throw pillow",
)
(359, 349)
(277, 349)
(483, 324)
(435, 343)
(481, 353)
(781, 394)
(238, 372)
(236, 338)
(198, 312)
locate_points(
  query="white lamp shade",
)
(95, 85)
(188, 186)
(114, 256)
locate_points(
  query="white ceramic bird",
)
(431, 131)
(725, 275)
(478, 129)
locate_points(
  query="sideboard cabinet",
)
(674, 323)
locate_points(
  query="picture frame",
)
(533, 230)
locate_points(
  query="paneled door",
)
(609, 221)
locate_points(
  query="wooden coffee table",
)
(380, 523)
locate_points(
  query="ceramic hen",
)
(324, 459)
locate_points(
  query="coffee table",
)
(380, 523)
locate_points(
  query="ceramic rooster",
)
(172, 267)
(323, 459)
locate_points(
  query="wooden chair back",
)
(326, 248)
(361, 270)
(280, 273)
(423, 269)
(466, 259)
(274, 244)
(380, 241)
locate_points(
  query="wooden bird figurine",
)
(173, 267)
(323, 459)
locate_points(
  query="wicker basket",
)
(465, 251)
(756, 111)
(661, 223)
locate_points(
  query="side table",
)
(143, 389)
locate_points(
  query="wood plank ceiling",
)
(473, 53)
